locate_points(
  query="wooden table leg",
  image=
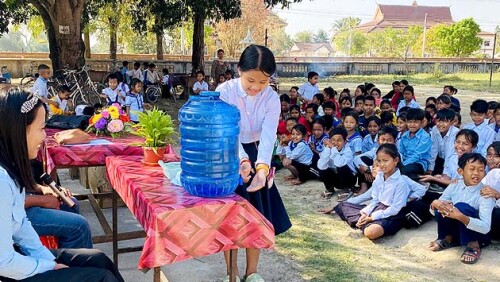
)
(115, 227)
(232, 265)
(158, 275)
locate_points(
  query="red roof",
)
(398, 16)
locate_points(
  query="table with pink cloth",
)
(54, 155)
(180, 226)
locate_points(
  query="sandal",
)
(344, 196)
(326, 194)
(254, 277)
(228, 280)
(470, 252)
(443, 245)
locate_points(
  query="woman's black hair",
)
(257, 57)
(496, 146)
(470, 135)
(294, 107)
(14, 155)
(391, 150)
(328, 121)
(320, 98)
(300, 128)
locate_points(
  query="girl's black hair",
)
(345, 98)
(459, 117)
(294, 107)
(376, 119)
(134, 82)
(338, 131)
(445, 99)
(431, 99)
(257, 57)
(328, 121)
(330, 92)
(295, 87)
(300, 128)
(496, 146)
(321, 121)
(320, 98)
(329, 105)
(409, 88)
(352, 114)
(314, 107)
(391, 150)
(385, 101)
(14, 156)
(386, 117)
(470, 135)
(293, 119)
(376, 90)
(285, 98)
(362, 88)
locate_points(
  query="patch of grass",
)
(466, 81)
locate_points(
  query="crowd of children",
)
(400, 159)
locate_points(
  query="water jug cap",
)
(210, 94)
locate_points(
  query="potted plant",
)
(157, 129)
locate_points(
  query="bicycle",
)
(83, 89)
(153, 92)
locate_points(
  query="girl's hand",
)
(258, 182)
(427, 178)
(489, 192)
(287, 162)
(245, 170)
(60, 266)
(369, 177)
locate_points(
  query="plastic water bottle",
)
(209, 129)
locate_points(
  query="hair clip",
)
(29, 104)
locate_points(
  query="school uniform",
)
(135, 74)
(496, 129)
(355, 142)
(136, 104)
(486, 136)
(389, 197)
(479, 209)
(398, 138)
(336, 169)
(417, 191)
(492, 179)
(416, 153)
(442, 147)
(40, 86)
(114, 95)
(455, 104)
(369, 142)
(301, 155)
(124, 87)
(307, 90)
(256, 142)
(318, 144)
(203, 86)
(320, 111)
(413, 104)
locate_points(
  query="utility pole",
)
(493, 57)
(425, 36)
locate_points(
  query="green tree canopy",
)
(321, 36)
(457, 40)
(305, 36)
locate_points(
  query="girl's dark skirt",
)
(267, 201)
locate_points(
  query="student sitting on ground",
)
(354, 139)
(61, 113)
(335, 164)
(443, 139)
(492, 186)
(463, 216)
(329, 93)
(285, 113)
(311, 114)
(363, 162)
(316, 143)
(408, 99)
(389, 195)
(490, 115)
(478, 110)
(295, 113)
(330, 109)
(370, 140)
(496, 125)
(318, 99)
(401, 126)
(415, 146)
(297, 156)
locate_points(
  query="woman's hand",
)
(258, 182)
(51, 202)
(245, 170)
(489, 192)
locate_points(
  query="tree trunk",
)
(86, 41)
(198, 55)
(159, 45)
(62, 19)
(113, 26)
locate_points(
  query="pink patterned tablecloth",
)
(179, 226)
(54, 155)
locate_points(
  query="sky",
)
(320, 14)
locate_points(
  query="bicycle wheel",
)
(27, 82)
(152, 94)
(90, 96)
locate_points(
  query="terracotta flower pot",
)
(153, 155)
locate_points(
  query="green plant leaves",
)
(155, 127)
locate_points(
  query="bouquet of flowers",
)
(112, 121)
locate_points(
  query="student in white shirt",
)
(382, 216)
(310, 88)
(408, 99)
(200, 85)
(478, 110)
(335, 164)
(40, 86)
(151, 77)
(259, 107)
(443, 139)
(492, 186)
(297, 156)
(113, 94)
(462, 214)
(22, 255)
(136, 72)
(134, 102)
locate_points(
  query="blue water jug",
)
(209, 129)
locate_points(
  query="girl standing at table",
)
(259, 107)
(22, 255)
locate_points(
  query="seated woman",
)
(389, 195)
(22, 256)
(463, 216)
